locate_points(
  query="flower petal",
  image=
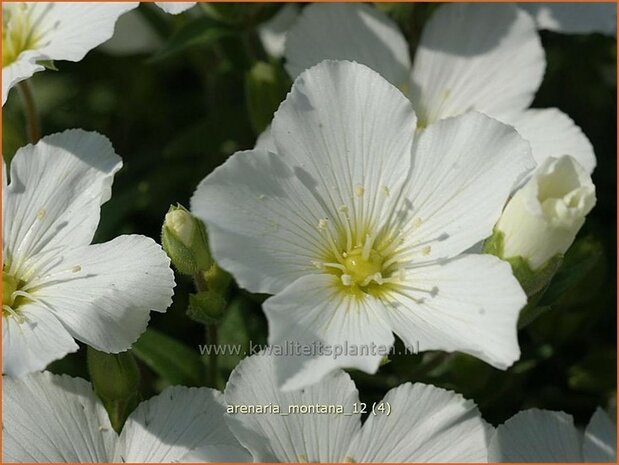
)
(469, 304)
(353, 32)
(103, 293)
(175, 8)
(574, 18)
(273, 32)
(425, 424)
(316, 314)
(72, 29)
(178, 422)
(49, 418)
(262, 221)
(294, 437)
(600, 444)
(552, 133)
(347, 133)
(265, 141)
(16, 72)
(56, 191)
(536, 436)
(464, 170)
(34, 343)
(485, 57)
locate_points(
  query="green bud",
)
(114, 376)
(184, 239)
(216, 279)
(207, 307)
(265, 88)
(116, 380)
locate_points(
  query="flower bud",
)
(184, 239)
(542, 219)
(207, 307)
(116, 380)
(114, 376)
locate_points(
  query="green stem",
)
(211, 338)
(30, 109)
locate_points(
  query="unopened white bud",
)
(542, 219)
(182, 224)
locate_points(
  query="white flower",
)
(358, 226)
(542, 219)
(40, 31)
(51, 418)
(483, 57)
(544, 436)
(175, 8)
(57, 287)
(424, 423)
(574, 18)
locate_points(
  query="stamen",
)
(18, 317)
(334, 265)
(373, 277)
(344, 212)
(323, 227)
(367, 247)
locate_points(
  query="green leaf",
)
(197, 32)
(169, 358)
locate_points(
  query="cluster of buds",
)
(185, 240)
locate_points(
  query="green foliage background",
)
(176, 115)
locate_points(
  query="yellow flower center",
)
(363, 268)
(9, 286)
(12, 296)
(19, 32)
(365, 262)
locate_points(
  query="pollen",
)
(359, 190)
(41, 214)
